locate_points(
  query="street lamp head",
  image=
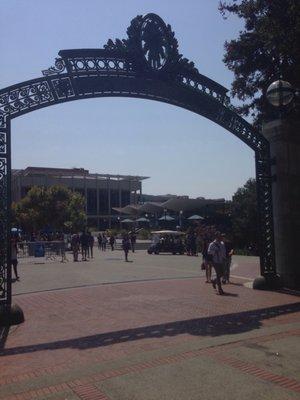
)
(280, 93)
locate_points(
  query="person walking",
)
(104, 242)
(14, 256)
(193, 244)
(126, 246)
(112, 241)
(75, 246)
(229, 254)
(188, 243)
(84, 241)
(218, 253)
(99, 238)
(132, 241)
(91, 243)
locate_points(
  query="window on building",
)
(92, 224)
(91, 201)
(103, 201)
(114, 200)
(125, 197)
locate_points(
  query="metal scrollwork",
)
(154, 42)
(23, 98)
(3, 230)
(58, 68)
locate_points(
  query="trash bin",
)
(39, 250)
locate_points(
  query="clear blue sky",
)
(182, 152)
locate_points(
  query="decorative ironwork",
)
(5, 281)
(265, 209)
(63, 88)
(24, 97)
(59, 68)
(154, 42)
(149, 38)
(146, 65)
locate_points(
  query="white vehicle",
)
(167, 242)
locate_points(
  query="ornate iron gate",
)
(146, 65)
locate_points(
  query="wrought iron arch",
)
(146, 65)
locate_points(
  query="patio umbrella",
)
(142, 219)
(127, 221)
(166, 218)
(195, 217)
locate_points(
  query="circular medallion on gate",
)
(155, 42)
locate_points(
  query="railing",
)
(42, 249)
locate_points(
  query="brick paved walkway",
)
(153, 340)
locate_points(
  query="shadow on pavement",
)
(226, 324)
(228, 294)
(3, 336)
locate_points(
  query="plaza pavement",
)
(148, 329)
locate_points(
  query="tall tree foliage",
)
(56, 207)
(266, 50)
(244, 216)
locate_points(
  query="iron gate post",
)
(284, 139)
(264, 182)
(9, 314)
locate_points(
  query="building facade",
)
(102, 192)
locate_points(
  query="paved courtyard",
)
(148, 329)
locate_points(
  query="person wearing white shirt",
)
(217, 252)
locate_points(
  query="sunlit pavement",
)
(148, 329)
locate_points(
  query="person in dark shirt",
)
(126, 245)
(91, 243)
(132, 241)
(75, 246)
(112, 241)
(14, 257)
(84, 241)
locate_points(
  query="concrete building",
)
(102, 192)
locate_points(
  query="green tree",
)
(245, 216)
(56, 207)
(266, 50)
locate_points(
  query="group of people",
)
(83, 243)
(103, 240)
(217, 254)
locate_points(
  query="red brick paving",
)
(77, 327)
(89, 392)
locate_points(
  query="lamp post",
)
(282, 132)
(165, 213)
(145, 223)
(180, 218)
